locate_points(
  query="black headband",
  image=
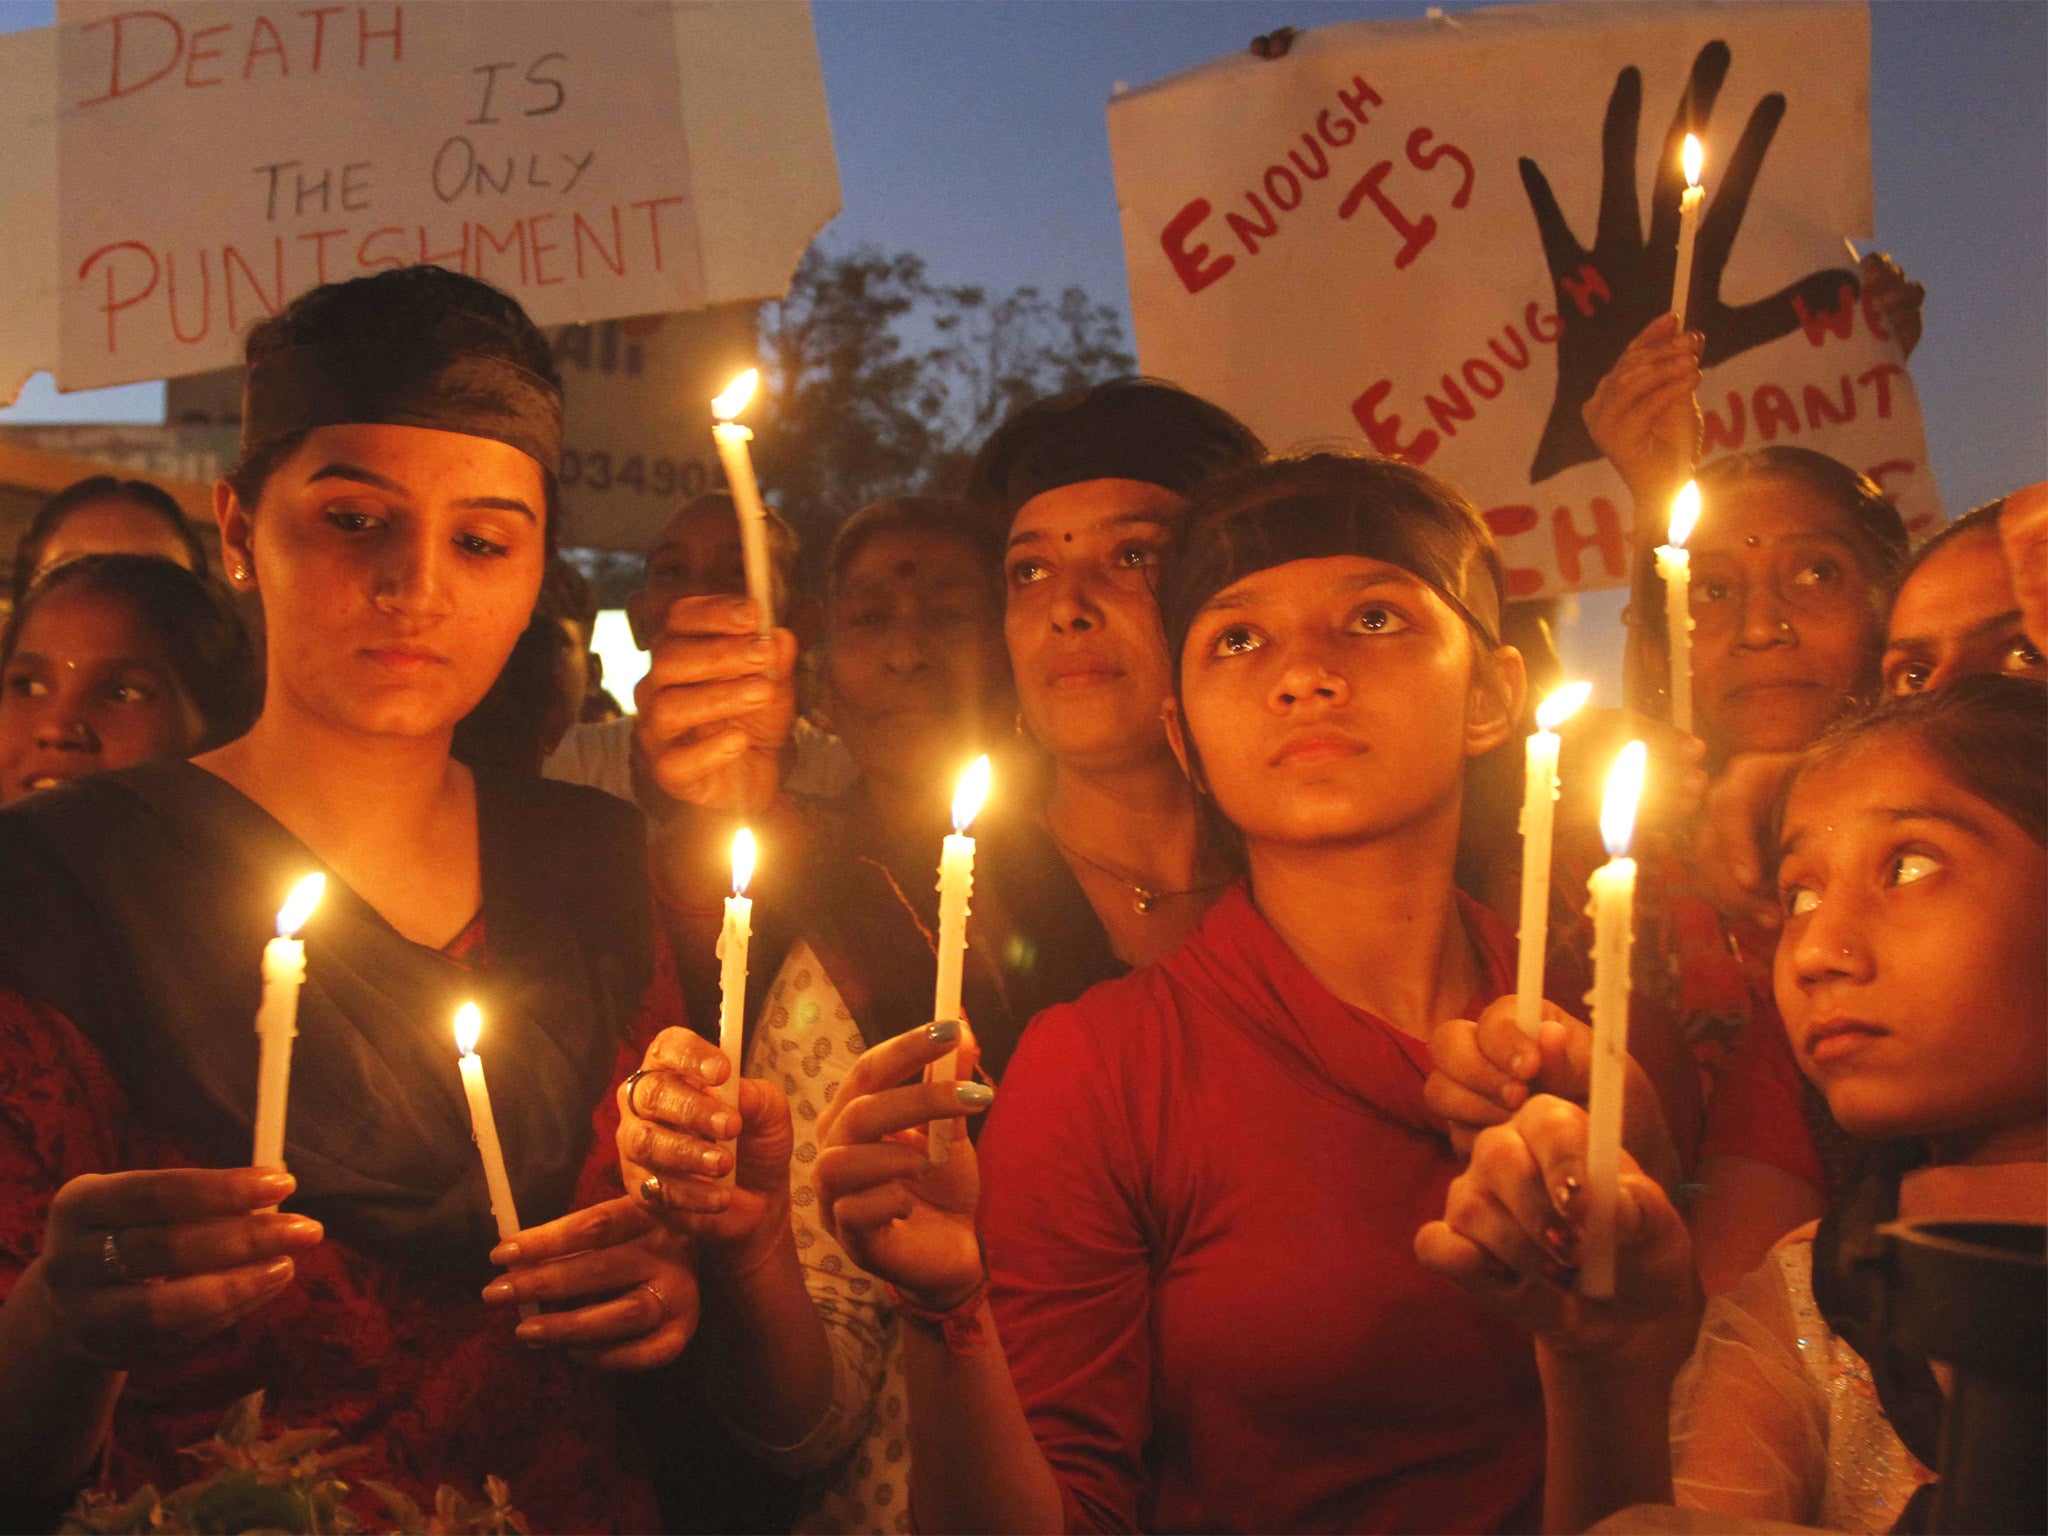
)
(299, 388)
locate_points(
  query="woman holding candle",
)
(1156, 1144)
(392, 510)
(1913, 978)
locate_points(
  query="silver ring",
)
(659, 1300)
(112, 1265)
(650, 1189)
(632, 1082)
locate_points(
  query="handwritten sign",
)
(216, 158)
(1433, 238)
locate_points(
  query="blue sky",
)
(972, 133)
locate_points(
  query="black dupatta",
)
(138, 904)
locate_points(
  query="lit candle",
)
(1539, 806)
(733, 939)
(1674, 565)
(732, 440)
(1688, 227)
(956, 884)
(1614, 896)
(469, 1024)
(277, 1019)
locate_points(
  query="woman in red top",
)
(1204, 1179)
(392, 509)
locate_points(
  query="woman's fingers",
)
(191, 1248)
(683, 1053)
(1554, 1132)
(605, 1225)
(648, 1352)
(566, 1279)
(871, 1208)
(1459, 1056)
(1507, 1171)
(885, 1065)
(1478, 1215)
(875, 1115)
(158, 1196)
(671, 1154)
(174, 1312)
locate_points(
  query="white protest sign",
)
(28, 203)
(1344, 247)
(216, 158)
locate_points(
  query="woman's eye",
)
(353, 519)
(1910, 867)
(477, 544)
(1799, 901)
(1377, 619)
(1136, 557)
(1237, 640)
(129, 693)
(1911, 678)
(1712, 591)
(2021, 656)
(1024, 572)
(1818, 573)
(27, 685)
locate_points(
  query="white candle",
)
(469, 1023)
(956, 885)
(1674, 567)
(277, 1019)
(732, 440)
(1539, 807)
(733, 939)
(1688, 227)
(1613, 910)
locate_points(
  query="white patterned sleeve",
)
(806, 1044)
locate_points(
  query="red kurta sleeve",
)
(1757, 1110)
(59, 1113)
(1073, 1313)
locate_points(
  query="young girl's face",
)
(397, 566)
(1332, 700)
(90, 688)
(1913, 967)
(1786, 625)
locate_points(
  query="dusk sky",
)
(972, 133)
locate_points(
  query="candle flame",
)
(1624, 789)
(469, 1023)
(1695, 159)
(1562, 705)
(298, 906)
(742, 860)
(736, 396)
(973, 790)
(1685, 511)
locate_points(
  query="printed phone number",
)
(595, 470)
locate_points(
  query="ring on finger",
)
(650, 1189)
(660, 1300)
(113, 1267)
(633, 1082)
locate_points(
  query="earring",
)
(240, 573)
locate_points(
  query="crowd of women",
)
(1267, 1215)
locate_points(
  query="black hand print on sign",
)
(1605, 296)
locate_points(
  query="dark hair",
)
(1321, 504)
(938, 517)
(1875, 527)
(195, 619)
(424, 313)
(508, 726)
(1126, 429)
(1982, 519)
(95, 489)
(1987, 733)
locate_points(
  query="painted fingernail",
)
(498, 1290)
(505, 1255)
(944, 1032)
(975, 1095)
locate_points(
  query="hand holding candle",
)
(277, 1019)
(732, 440)
(469, 1023)
(1674, 567)
(1613, 911)
(1539, 813)
(733, 939)
(956, 884)
(1695, 156)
